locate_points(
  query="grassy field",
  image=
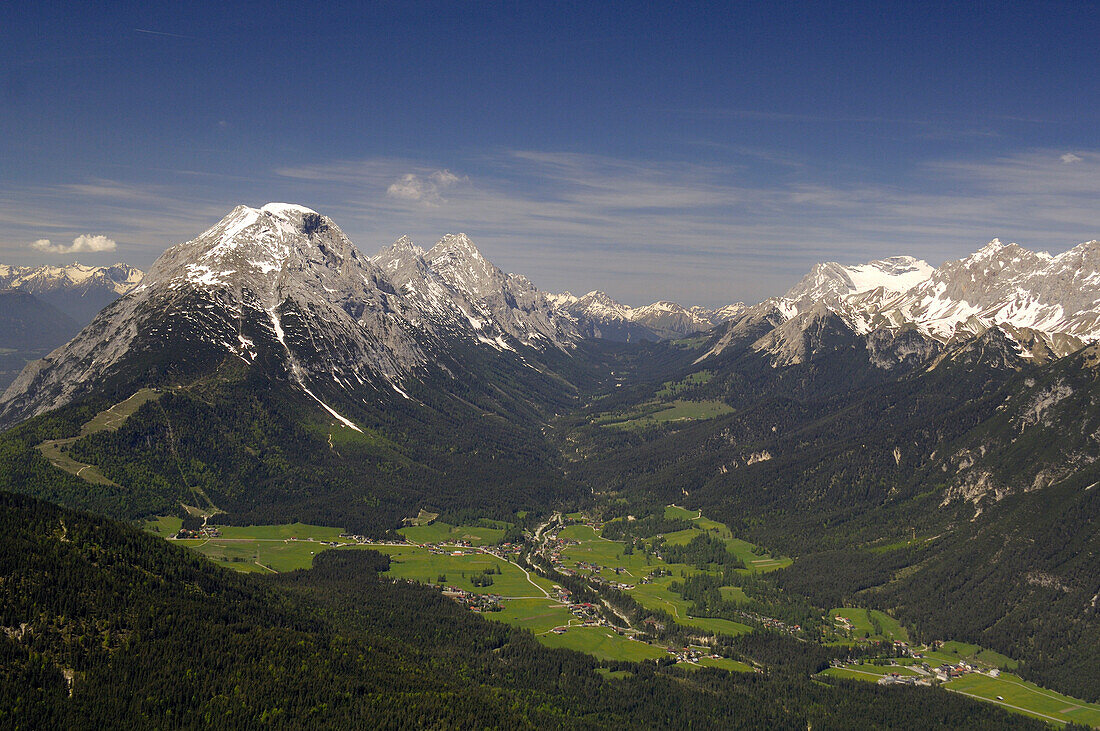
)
(538, 615)
(164, 526)
(725, 663)
(260, 548)
(418, 564)
(57, 450)
(603, 643)
(652, 414)
(672, 388)
(524, 603)
(744, 550)
(863, 624)
(867, 669)
(1024, 697)
(440, 532)
(953, 652)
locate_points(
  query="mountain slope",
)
(29, 328)
(282, 289)
(300, 379)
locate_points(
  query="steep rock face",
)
(78, 291)
(508, 302)
(1045, 432)
(283, 289)
(1007, 284)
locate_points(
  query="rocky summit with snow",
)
(1046, 306)
(282, 288)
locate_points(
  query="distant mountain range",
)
(599, 316)
(77, 290)
(283, 285)
(1048, 306)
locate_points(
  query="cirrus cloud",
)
(84, 243)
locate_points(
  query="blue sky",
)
(704, 153)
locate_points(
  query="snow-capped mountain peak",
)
(282, 286)
(1055, 300)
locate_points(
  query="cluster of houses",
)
(898, 679)
(772, 623)
(925, 673)
(474, 602)
(691, 654)
(506, 551)
(207, 531)
(947, 671)
(586, 612)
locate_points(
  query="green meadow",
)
(1020, 695)
(605, 644)
(655, 413)
(440, 532)
(870, 624)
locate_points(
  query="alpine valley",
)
(890, 470)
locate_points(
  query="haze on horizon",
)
(704, 153)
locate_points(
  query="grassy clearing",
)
(524, 605)
(164, 525)
(871, 624)
(745, 551)
(878, 671)
(610, 674)
(655, 413)
(733, 594)
(675, 511)
(848, 673)
(952, 652)
(258, 548)
(115, 416)
(689, 343)
(57, 450)
(603, 643)
(439, 532)
(267, 556)
(723, 663)
(538, 615)
(418, 564)
(1024, 697)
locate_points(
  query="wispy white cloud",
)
(642, 229)
(709, 231)
(423, 189)
(1069, 158)
(85, 243)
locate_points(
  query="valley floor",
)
(526, 584)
